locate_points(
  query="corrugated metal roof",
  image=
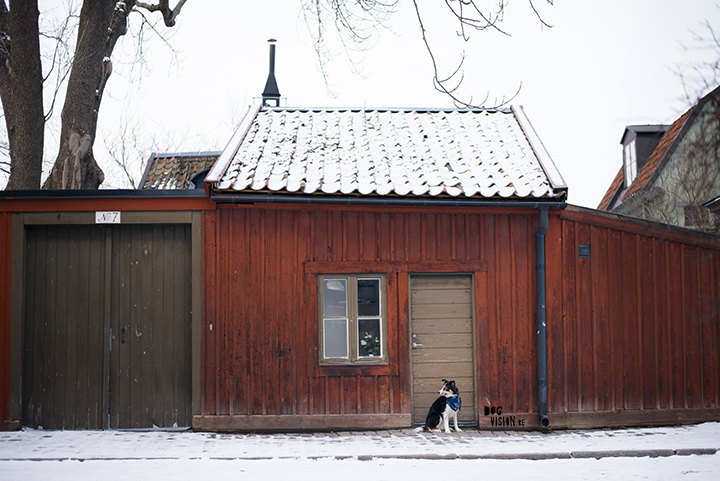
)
(175, 171)
(472, 153)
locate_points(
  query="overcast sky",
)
(602, 65)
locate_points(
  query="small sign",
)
(107, 217)
(584, 251)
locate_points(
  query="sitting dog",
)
(445, 407)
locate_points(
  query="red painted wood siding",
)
(636, 327)
(5, 264)
(260, 358)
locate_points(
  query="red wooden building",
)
(338, 265)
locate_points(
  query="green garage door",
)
(107, 327)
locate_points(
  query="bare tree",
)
(354, 23)
(100, 24)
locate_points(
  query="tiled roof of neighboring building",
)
(470, 153)
(175, 171)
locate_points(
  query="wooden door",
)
(150, 381)
(441, 310)
(83, 286)
(64, 336)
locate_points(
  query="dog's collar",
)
(454, 402)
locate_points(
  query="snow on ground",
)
(628, 454)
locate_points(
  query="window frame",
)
(352, 318)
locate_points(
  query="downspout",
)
(541, 319)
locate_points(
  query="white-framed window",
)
(353, 319)
(630, 161)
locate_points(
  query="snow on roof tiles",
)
(472, 153)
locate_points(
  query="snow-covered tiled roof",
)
(470, 153)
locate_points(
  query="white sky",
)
(603, 65)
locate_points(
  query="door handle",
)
(415, 345)
(122, 336)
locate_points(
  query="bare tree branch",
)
(163, 6)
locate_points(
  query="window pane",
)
(369, 344)
(334, 298)
(368, 294)
(335, 335)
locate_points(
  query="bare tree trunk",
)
(21, 92)
(102, 22)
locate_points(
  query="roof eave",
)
(221, 165)
(557, 183)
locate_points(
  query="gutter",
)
(383, 201)
(542, 318)
(103, 194)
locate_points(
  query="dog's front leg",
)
(457, 429)
(446, 423)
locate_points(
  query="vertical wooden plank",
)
(633, 366)
(708, 328)
(648, 359)
(490, 396)
(570, 308)
(676, 336)
(270, 374)
(384, 404)
(320, 229)
(370, 237)
(429, 238)
(352, 233)
(586, 341)
(238, 322)
(6, 243)
(413, 237)
(445, 237)
(693, 363)
(367, 394)
(616, 316)
(336, 234)
(385, 236)
(256, 341)
(303, 315)
(599, 262)
(334, 391)
(398, 284)
(662, 335)
(210, 307)
(225, 376)
(506, 314)
(459, 229)
(320, 399)
(555, 320)
(482, 341)
(287, 299)
(524, 351)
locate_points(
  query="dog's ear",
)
(444, 380)
(451, 383)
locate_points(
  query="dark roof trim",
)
(252, 198)
(546, 163)
(645, 129)
(102, 194)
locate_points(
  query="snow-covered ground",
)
(686, 452)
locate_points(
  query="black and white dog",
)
(445, 407)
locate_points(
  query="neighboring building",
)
(178, 170)
(673, 182)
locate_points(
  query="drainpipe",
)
(541, 321)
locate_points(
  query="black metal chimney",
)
(271, 94)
